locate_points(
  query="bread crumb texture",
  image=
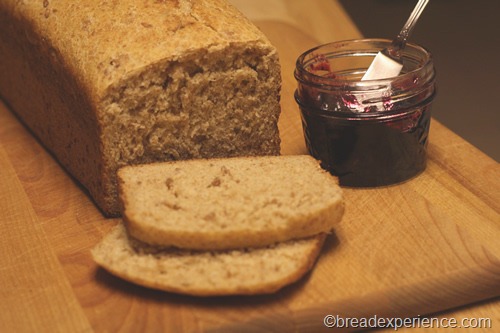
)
(233, 272)
(229, 203)
(105, 84)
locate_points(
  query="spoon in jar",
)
(388, 62)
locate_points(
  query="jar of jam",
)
(367, 133)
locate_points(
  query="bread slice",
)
(210, 273)
(217, 204)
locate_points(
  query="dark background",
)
(463, 37)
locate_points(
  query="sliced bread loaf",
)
(207, 273)
(105, 84)
(229, 203)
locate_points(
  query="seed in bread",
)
(229, 203)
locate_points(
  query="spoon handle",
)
(400, 41)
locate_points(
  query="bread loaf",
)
(207, 273)
(230, 202)
(104, 84)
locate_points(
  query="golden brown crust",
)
(103, 41)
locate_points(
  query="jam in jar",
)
(367, 133)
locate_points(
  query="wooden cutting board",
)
(424, 246)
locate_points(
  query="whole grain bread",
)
(105, 84)
(207, 273)
(229, 203)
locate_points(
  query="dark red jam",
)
(368, 152)
(368, 134)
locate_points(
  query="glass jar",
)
(367, 133)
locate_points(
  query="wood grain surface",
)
(426, 246)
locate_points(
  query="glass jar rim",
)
(321, 81)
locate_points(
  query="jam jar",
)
(366, 132)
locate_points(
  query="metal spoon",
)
(388, 63)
